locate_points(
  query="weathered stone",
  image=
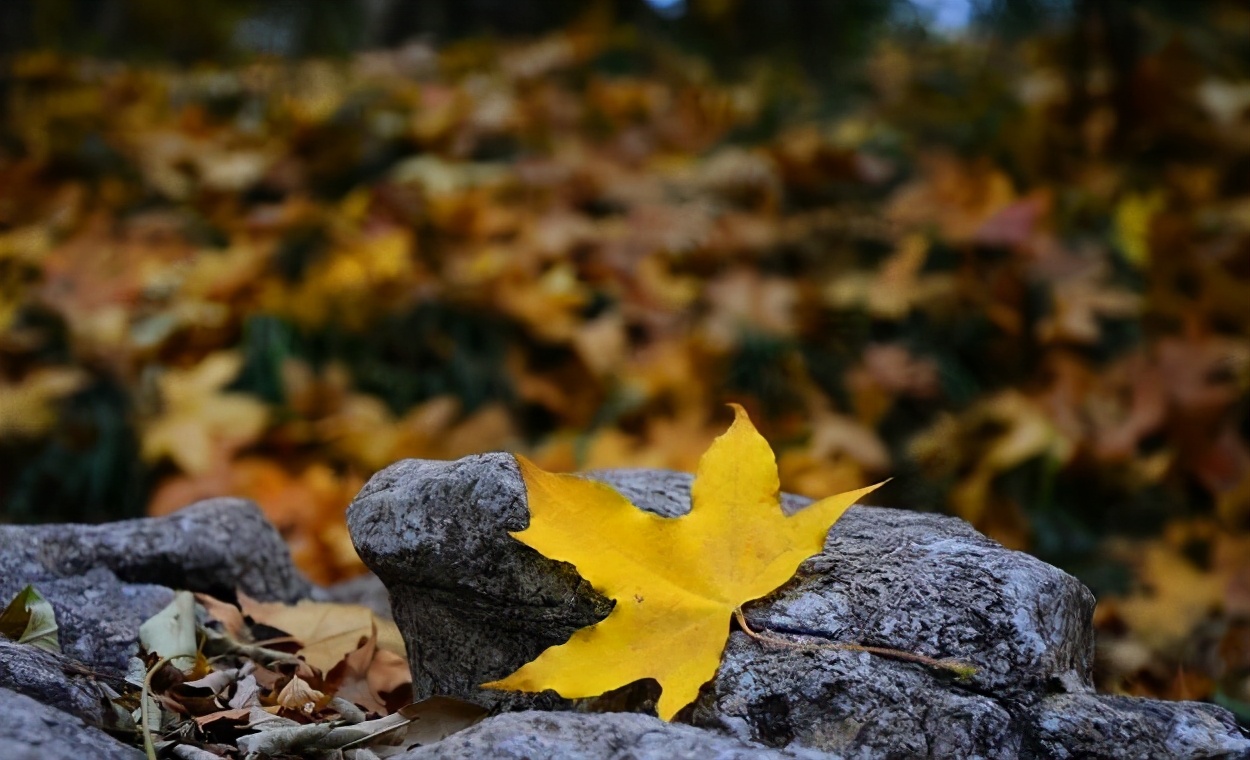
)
(30, 730)
(1068, 726)
(214, 546)
(604, 736)
(475, 604)
(470, 600)
(98, 615)
(366, 590)
(54, 679)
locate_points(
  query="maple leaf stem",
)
(958, 667)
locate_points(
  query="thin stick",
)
(962, 669)
(148, 746)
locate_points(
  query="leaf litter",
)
(260, 679)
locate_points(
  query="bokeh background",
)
(999, 251)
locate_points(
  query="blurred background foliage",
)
(999, 251)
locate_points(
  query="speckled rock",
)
(474, 604)
(604, 736)
(1070, 726)
(30, 730)
(214, 546)
(98, 615)
(54, 679)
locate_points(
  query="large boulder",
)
(474, 604)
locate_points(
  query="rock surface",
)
(55, 680)
(214, 546)
(98, 615)
(474, 604)
(605, 736)
(1061, 728)
(31, 730)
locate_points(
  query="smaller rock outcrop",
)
(214, 546)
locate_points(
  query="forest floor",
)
(987, 279)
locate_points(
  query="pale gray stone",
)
(1070, 726)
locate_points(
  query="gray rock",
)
(366, 590)
(30, 730)
(604, 736)
(474, 604)
(56, 680)
(214, 546)
(98, 615)
(1099, 726)
(471, 601)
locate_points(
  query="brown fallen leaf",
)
(350, 678)
(328, 631)
(232, 715)
(225, 613)
(300, 696)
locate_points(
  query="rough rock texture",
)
(213, 546)
(30, 730)
(55, 680)
(604, 736)
(1061, 728)
(98, 615)
(474, 604)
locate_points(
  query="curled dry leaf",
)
(368, 675)
(29, 619)
(300, 696)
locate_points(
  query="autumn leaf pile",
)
(988, 279)
(257, 678)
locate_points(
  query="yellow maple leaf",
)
(1133, 217)
(676, 581)
(199, 419)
